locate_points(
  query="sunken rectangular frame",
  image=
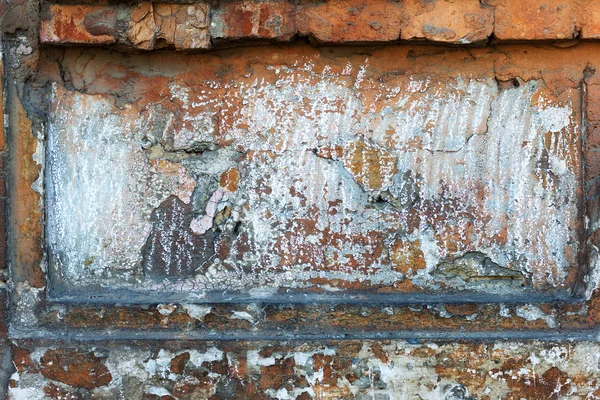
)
(42, 311)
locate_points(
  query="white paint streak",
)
(488, 165)
(103, 190)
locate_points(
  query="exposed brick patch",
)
(590, 20)
(87, 24)
(340, 369)
(179, 362)
(463, 22)
(75, 368)
(260, 20)
(156, 25)
(186, 26)
(24, 243)
(535, 20)
(22, 360)
(354, 21)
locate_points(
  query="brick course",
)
(460, 22)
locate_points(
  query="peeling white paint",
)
(487, 162)
(531, 313)
(196, 311)
(211, 354)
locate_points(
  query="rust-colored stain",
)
(26, 215)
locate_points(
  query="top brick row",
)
(197, 25)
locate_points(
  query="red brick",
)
(22, 360)
(185, 26)
(248, 19)
(75, 368)
(535, 20)
(464, 21)
(353, 21)
(462, 309)
(79, 24)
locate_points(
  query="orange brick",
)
(182, 26)
(65, 24)
(590, 20)
(465, 21)
(535, 20)
(352, 21)
(247, 19)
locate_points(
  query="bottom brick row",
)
(306, 370)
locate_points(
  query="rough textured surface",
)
(156, 25)
(535, 20)
(197, 159)
(342, 174)
(185, 26)
(248, 19)
(340, 22)
(80, 24)
(308, 370)
(461, 22)
(304, 156)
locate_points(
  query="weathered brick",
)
(75, 368)
(158, 25)
(25, 214)
(353, 21)
(465, 21)
(82, 24)
(21, 358)
(342, 369)
(249, 19)
(185, 26)
(535, 20)
(589, 18)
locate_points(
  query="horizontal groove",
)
(411, 336)
(133, 298)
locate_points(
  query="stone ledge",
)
(151, 25)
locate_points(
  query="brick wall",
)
(299, 199)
